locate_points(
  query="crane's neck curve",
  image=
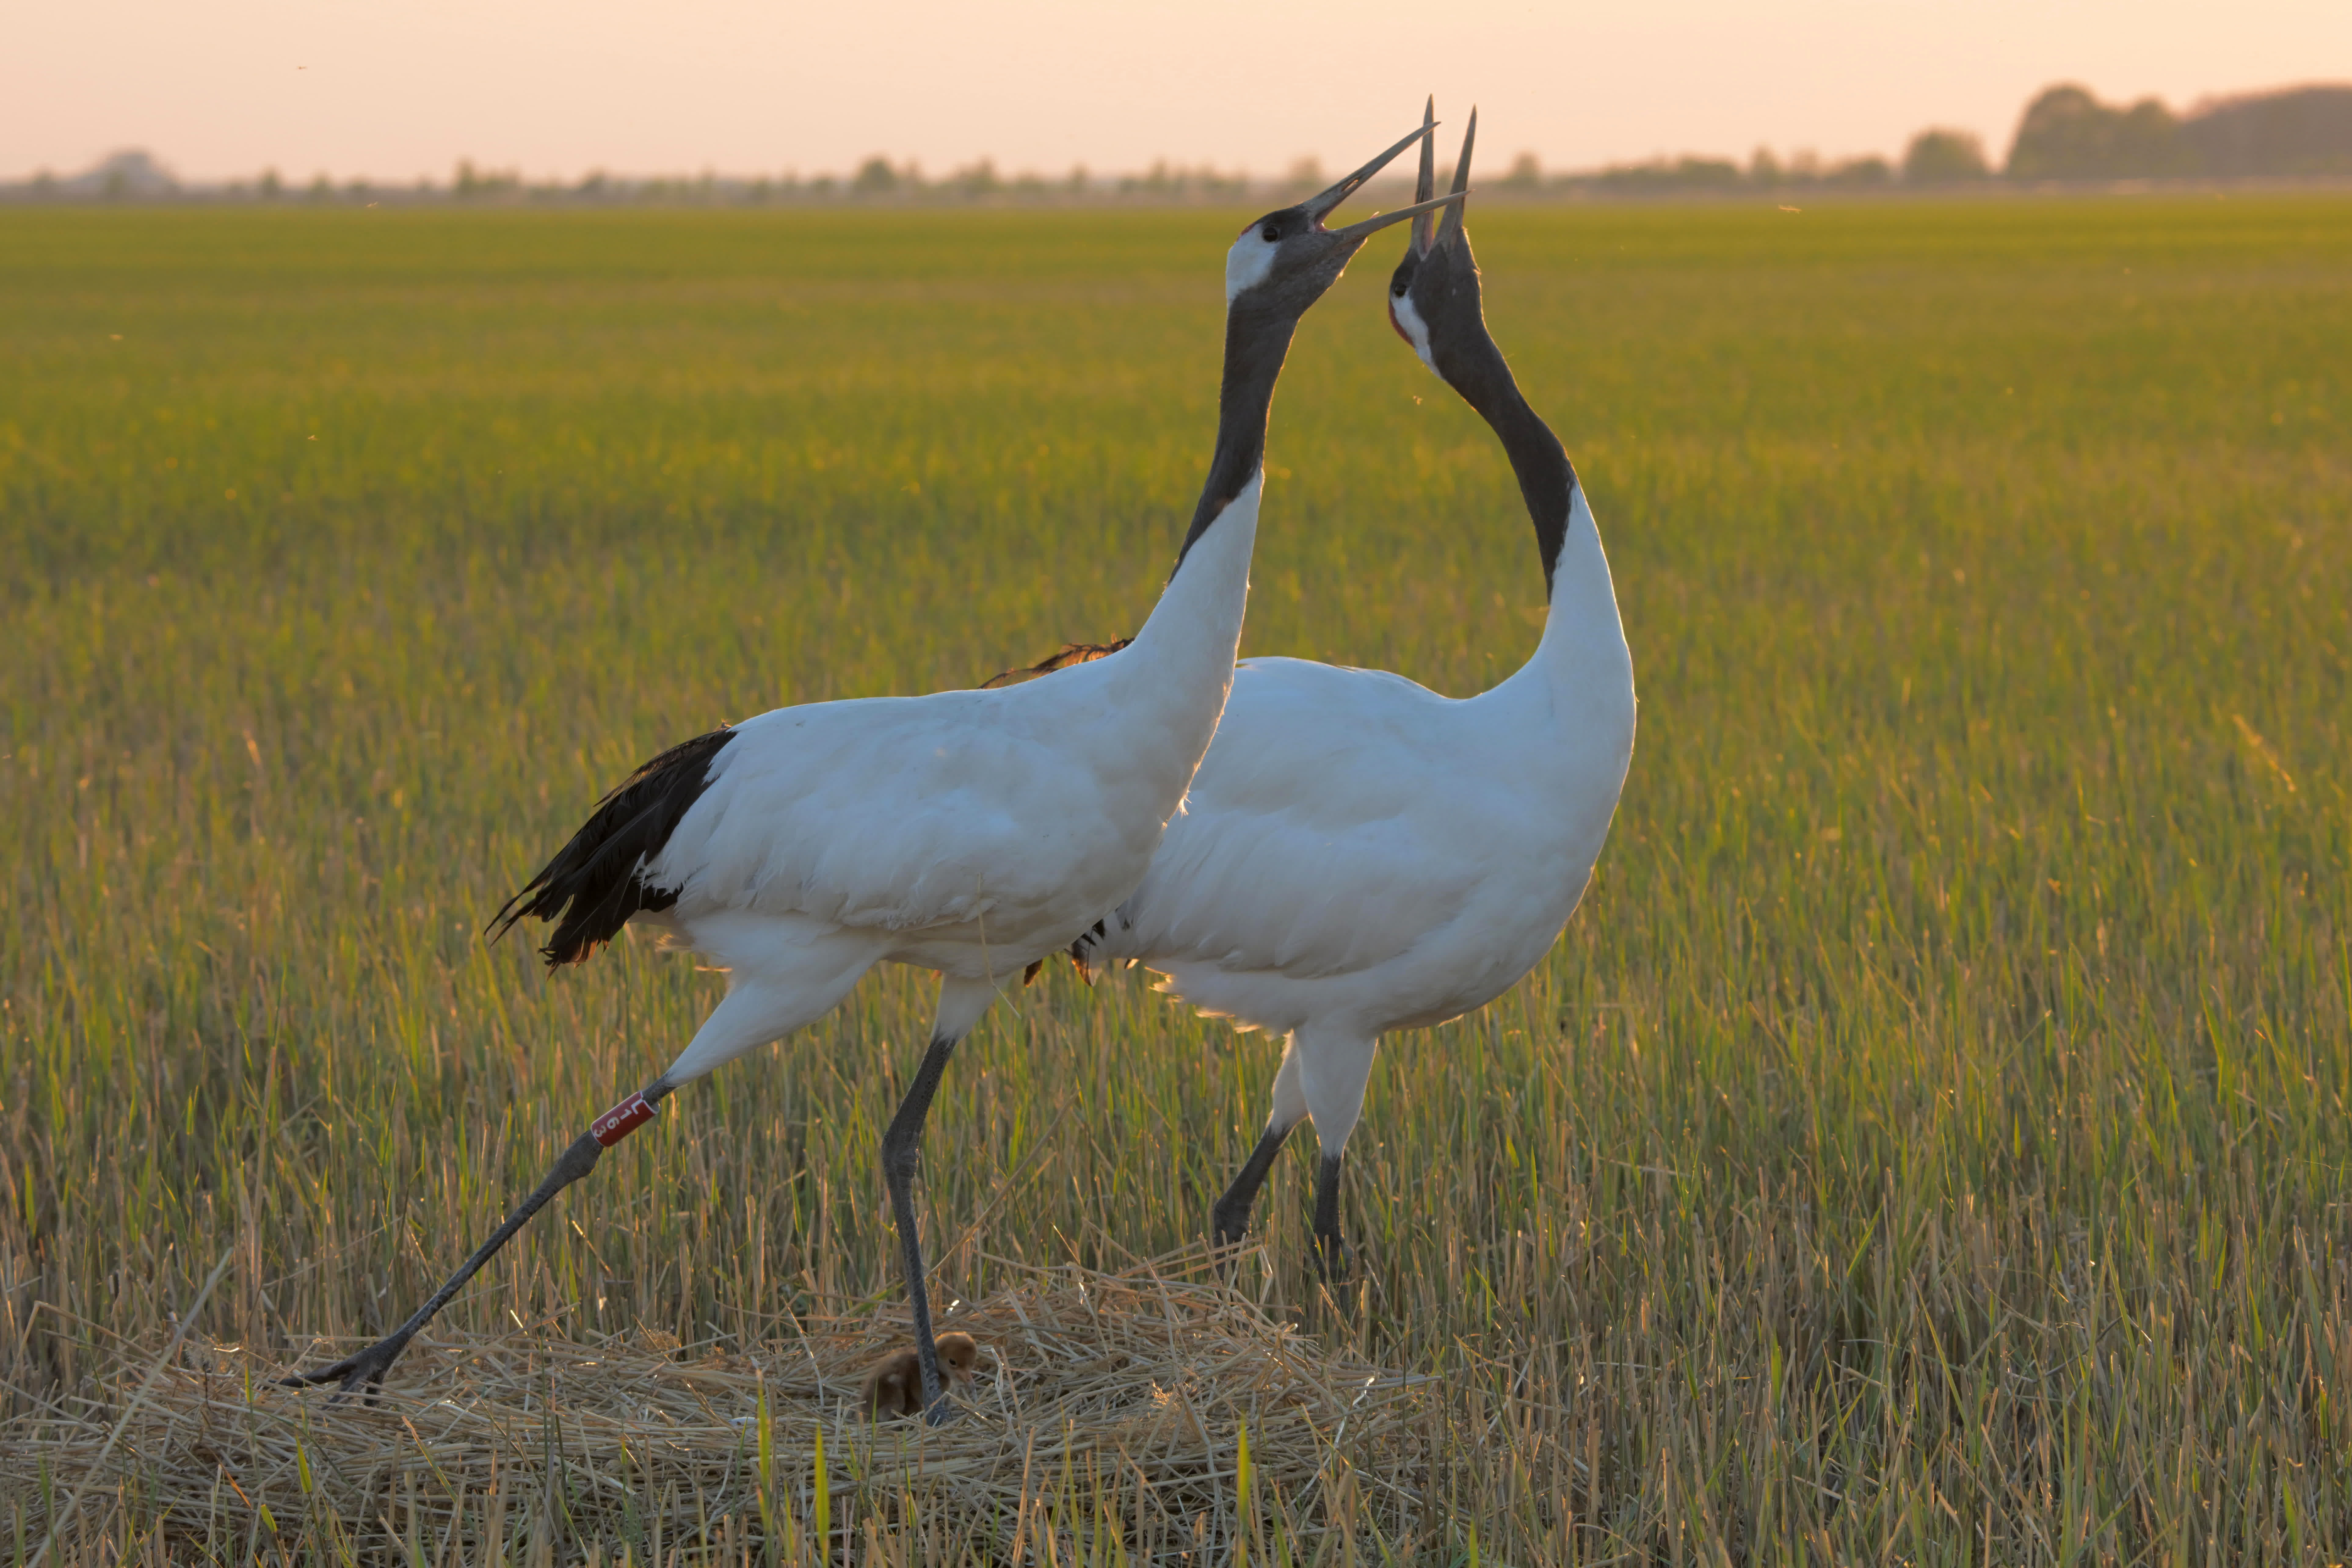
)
(1257, 341)
(1582, 672)
(1547, 481)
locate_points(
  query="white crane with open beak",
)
(969, 831)
(1359, 854)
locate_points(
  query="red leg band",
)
(622, 1119)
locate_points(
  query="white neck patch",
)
(1415, 330)
(1247, 263)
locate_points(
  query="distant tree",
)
(2147, 141)
(875, 177)
(2067, 134)
(1944, 158)
(472, 183)
(1861, 174)
(1664, 177)
(321, 188)
(271, 185)
(978, 182)
(1526, 172)
(1764, 171)
(2299, 131)
(129, 174)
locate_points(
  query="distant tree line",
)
(2065, 133)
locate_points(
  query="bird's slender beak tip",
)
(1323, 200)
(1379, 221)
(1458, 214)
(1425, 228)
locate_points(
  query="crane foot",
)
(355, 1373)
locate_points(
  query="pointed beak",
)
(1425, 228)
(1315, 207)
(1372, 226)
(1454, 220)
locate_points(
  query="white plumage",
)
(1359, 854)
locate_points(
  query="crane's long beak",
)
(1315, 207)
(1454, 220)
(1372, 226)
(1425, 228)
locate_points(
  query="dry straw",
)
(1156, 1413)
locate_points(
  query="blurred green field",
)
(1929, 1140)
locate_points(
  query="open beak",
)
(1315, 207)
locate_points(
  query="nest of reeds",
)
(1157, 1408)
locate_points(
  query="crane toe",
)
(361, 1374)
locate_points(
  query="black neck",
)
(1547, 478)
(1258, 340)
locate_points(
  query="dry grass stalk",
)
(1105, 1404)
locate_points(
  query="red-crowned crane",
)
(1359, 854)
(969, 831)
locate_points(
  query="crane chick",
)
(894, 1385)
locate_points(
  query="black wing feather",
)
(597, 881)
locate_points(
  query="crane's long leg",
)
(1229, 1221)
(1230, 1218)
(368, 1367)
(1335, 1064)
(780, 977)
(961, 1001)
(1330, 1252)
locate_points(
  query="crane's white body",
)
(969, 831)
(1359, 854)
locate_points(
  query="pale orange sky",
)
(391, 93)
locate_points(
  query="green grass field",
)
(1929, 1140)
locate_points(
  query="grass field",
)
(1928, 1142)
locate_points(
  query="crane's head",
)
(1434, 294)
(1283, 262)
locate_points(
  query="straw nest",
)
(1156, 1408)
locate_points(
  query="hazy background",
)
(558, 90)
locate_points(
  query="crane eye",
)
(1271, 233)
(1399, 288)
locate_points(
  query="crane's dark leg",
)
(902, 1148)
(962, 1000)
(1330, 1252)
(1229, 1220)
(368, 1367)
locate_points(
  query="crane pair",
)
(976, 833)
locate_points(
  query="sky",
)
(555, 89)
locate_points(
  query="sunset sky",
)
(394, 92)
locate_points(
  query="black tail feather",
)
(596, 882)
